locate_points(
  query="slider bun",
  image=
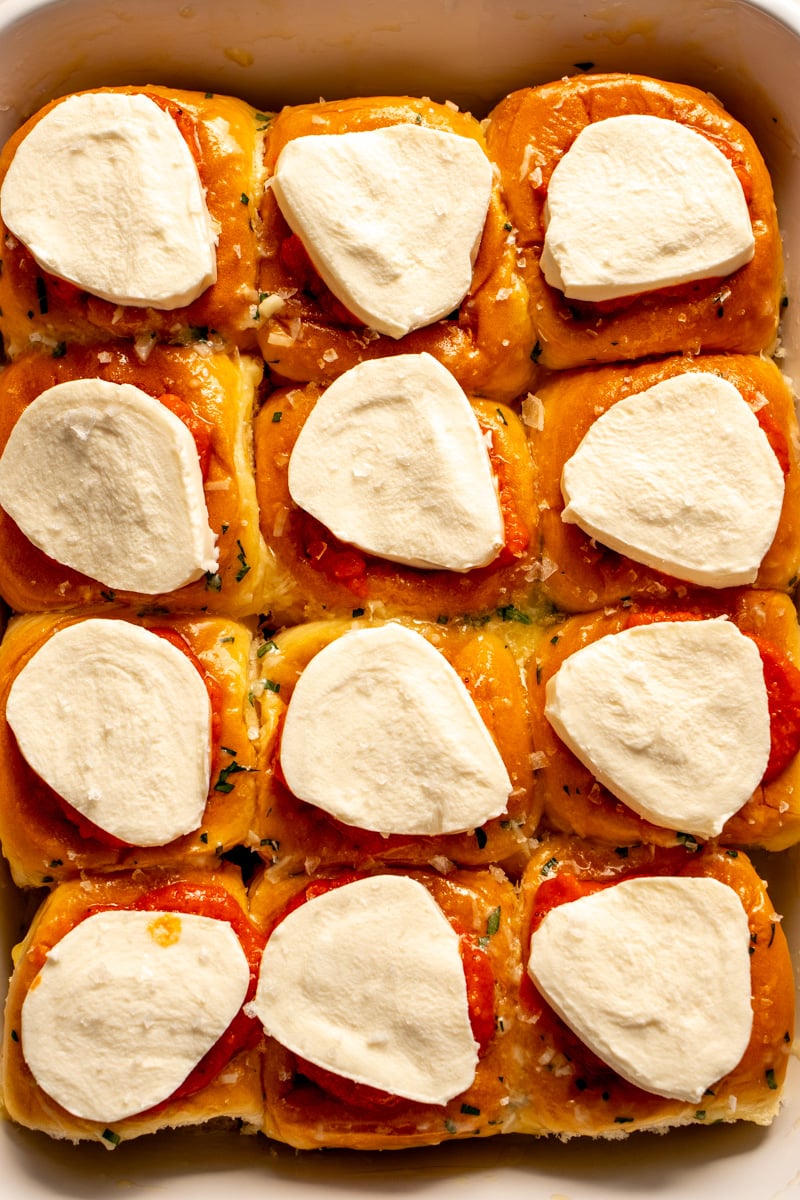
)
(301, 590)
(233, 1096)
(303, 1115)
(226, 137)
(531, 129)
(220, 390)
(580, 574)
(289, 828)
(42, 845)
(575, 803)
(487, 347)
(568, 1091)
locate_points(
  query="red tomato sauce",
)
(563, 888)
(207, 900)
(198, 428)
(213, 686)
(775, 436)
(337, 562)
(566, 886)
(186, 125)
(782, 680)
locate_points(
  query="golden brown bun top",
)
(356, 114)
(219, 390)
(550, 116)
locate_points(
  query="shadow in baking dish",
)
(542, 1169)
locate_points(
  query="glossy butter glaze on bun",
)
(309, 1105)
(418, 810)
(313, 573)
(695, 483)
(576, 802)
(127, 759)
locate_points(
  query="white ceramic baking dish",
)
(470, 51)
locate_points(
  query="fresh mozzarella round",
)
(639, 203)
(653, 975)
(671, 717)
(392, 460)
(399, 746)
(117, 721)
(106, 480)
(126, 1005)
(367, 981)
(105, 193)
(391, 218)
(680, 477)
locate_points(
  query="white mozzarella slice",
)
(391, 218)
(399, 746)
(680, 477)
(126, 1005)
(653, 975)
(392, 460)
(671, 717)
(367, 981)
(117, 721)
(639, 203)
(106, 480)
(105, 193)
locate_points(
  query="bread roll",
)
(563, 1087)
(231, 1096)
(311, 574)
(225, 137)
(216, 394)
(292, 832)
(481, 907)
(579, 573)
(45, 839)
(574, 801)
(530, 131)
(486, 343)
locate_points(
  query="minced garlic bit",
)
(532, 412)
